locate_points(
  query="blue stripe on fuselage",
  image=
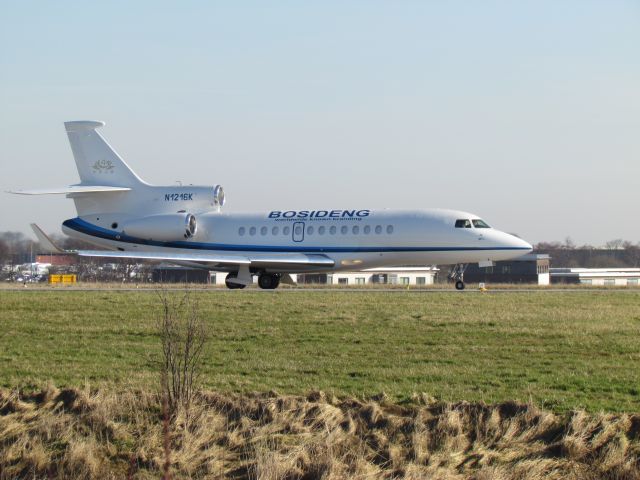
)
(87, 228)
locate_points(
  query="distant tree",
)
(632, 253)
(69, 243)
(615, 244)
(547, 246)
(602, 260)
(627, 245)
(568, 244)
(15, 241)
(19, 247)
(4, 252)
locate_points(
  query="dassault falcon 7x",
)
(184, 225)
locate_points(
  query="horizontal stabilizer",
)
(80, 125)
(71, 189)
(45, 242)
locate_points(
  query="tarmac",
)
(299, 290)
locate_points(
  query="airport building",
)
(532, 268)
(173, 274)
(597, 276)
(418, 276)
(57, 259)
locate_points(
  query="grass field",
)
(562, 350)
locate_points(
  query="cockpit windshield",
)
(479, 223)
(476, 222)
(463, 223)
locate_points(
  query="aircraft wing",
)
(282, 260)
(202, 259)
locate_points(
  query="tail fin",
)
(97, 162)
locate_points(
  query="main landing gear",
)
(231, 285)
(457, 275)
(268, 281)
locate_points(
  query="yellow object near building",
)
(70, 278)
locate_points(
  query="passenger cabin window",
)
(479, 223)
(464, 223)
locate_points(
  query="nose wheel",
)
(457, 275)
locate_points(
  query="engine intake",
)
(166, 228)
(191, 226)
(218, 196)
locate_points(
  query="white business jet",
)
(184, 225)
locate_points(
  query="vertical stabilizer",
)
(97, 162)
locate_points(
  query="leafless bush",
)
(183, 334)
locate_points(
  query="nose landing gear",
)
(457, 275)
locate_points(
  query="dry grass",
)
(81, 433)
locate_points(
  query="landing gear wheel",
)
(457, 275)
(269, 281)
(230, 285)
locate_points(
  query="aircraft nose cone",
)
(520, 243)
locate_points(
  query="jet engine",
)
(218, 196)
(166, 227)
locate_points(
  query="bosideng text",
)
(319, 214)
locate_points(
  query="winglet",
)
(45, 242)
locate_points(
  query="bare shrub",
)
(183, 334)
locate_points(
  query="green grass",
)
(563, 350)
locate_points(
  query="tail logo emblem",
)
(103, 166)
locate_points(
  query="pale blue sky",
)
(526, 113)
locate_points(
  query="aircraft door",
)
(297, 231)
